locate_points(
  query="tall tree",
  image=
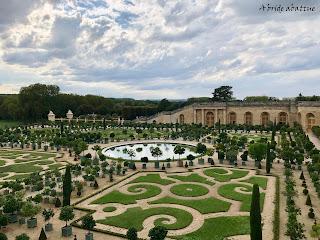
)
(36, 100)
(67, 187)
(255, 215)
(268, 157)
(104, 124)
(222, 94)
(43, 235)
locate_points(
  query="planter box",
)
(131, 164)
(144, 166)
(12, 218)
(89, 236)
(201, 161)
(48, 227)
(66, 231)
(22, 221)
(156, 164)
(32, 223)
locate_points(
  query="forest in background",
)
(34, 102)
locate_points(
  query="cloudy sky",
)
(159, 48)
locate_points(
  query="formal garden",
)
(171, 180)
(19, 164)
(194, 204)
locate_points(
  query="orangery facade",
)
(240, 112)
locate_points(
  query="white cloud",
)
(157, 48)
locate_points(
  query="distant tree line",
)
(35, 101)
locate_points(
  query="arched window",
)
(283, 118)
(209, 119)
(310, 121)
(248, 118)
(232, 118)
(181, 119)
(264, 118)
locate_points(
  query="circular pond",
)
(138, 150)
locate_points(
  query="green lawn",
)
(18, 176)
(152, 178)
(204, 206)
(118, 197)
(220, 228)
(193, 177)
(222, 175)
(228, 191)
(134, 217)
(189, 190)
(55, 166)
(109, 209)
(20, 168)
(29, 162)
(261, 181)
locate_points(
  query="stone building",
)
(241, 112)
(51, 116)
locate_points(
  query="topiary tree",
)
(67, 187)
(57, 204)
(66, 214)
(201, 148)
(10, 204)
(158, 233)
(132, 234)
(156, 152)
(255, 215)
(311, 213)
(179, 150)
(258, 151)
(42, 235)
(308, 201)
(22, 236)
(47, 214)
(30, 210)
(268, 159)
(95, 185)
(302, 176)
(88, 222)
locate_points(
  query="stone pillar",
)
(202, 114)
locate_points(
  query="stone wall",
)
(305, 113)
